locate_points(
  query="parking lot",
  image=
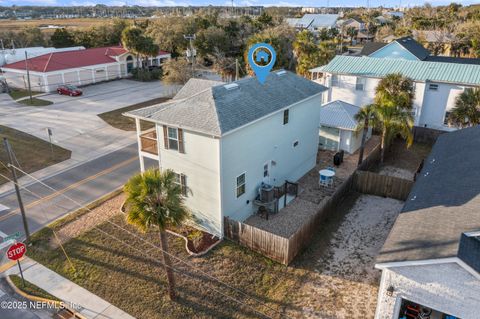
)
(74, 121)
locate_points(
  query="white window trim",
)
(362, 81)
(244, 183)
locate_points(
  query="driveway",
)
(74, 121)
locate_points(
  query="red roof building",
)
(79, 67)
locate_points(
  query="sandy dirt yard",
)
(341, 281)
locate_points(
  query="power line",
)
(144, 253)
(156, 247)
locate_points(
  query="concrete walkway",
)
(91, 306)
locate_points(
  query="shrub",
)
(145, 75)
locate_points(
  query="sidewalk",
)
(92, 306)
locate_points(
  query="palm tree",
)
(131, 37)
(366, 118)
(467, 108)
(392, 109)
(154, 199)
(352, 33)
(391, 121)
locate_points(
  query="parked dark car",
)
(68, 89)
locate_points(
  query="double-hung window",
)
(335, 80)
(181, 180)
(360, 84)
(172, 138)
(240, 185)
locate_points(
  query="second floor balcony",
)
(148, 142)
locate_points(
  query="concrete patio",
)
(311, 194)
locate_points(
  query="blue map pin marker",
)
(260, 54)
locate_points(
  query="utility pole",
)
(17, 189)
(191, 52)
(28, 78)
(236, 70)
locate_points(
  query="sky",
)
(305, 3)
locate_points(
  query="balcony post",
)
(139, 143)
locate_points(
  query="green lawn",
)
(35, 102)
(117, 120)
(19, 93)
(133, 279)
(30, 288)
(32, 153)
(136, 282)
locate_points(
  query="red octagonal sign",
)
(16, 251)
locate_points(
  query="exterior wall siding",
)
(447, 288)
(201, 165)
(430, 106)
(248, 149)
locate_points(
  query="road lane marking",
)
(74, 185)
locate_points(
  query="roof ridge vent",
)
(231, 86)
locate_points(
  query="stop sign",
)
(16, 251)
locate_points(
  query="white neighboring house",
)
(437, 80)
(431, 258)
(314, 22)
(338, 128)
(78, 67)
(224, 140)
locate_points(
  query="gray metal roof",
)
(422, 71)
(339, 114)
(222, 108)
(317, 20)
(443, 204)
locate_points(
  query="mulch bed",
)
(198, 241)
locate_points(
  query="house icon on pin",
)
(262, 55)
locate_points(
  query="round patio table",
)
(327, 173)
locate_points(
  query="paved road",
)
(84, 183)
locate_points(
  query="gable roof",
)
(442, 204)
(371, 47)
(317, 20)
(413, 47)
(220, 109)
(464, 74)
(339, 114)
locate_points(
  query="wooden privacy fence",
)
(381, 185)
(280, 248)
(283, 249)
(264, 242)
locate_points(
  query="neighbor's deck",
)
(291, 218)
